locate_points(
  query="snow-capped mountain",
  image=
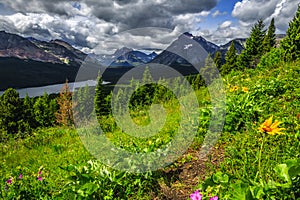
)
(125, 57)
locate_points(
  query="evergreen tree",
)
(254, 49)
(64, 115)
(42, 111)
(11, 112)
(99, 100)
(231, 59)
(147, 77)
(85, 102)
(28, 112)
(209, 71)
(270, 38)
(218, 60)
(291, 43)
(145, 94)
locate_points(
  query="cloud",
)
(219, 13)
(225, 24)
(249, 11)
(88, 23)
(127, 14)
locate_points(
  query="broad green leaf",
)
(282, 172)
(219, 177)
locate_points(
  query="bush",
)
(271, 59)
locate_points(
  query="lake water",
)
(53, 89)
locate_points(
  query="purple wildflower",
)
(196, 195)
(9, 181)
(20, 176)
(40, 172)
(40, 178)
(214, 198)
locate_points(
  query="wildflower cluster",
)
(236, 88)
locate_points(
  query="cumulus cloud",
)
(225, 24)
(88, 22)
(249, 11)
(103, 25)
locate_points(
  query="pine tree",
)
(231, 59)
(254, 49)
(291, 43)
(270, 38)
(42, 111)
(147, 77)
(64, 115)
(99, 100)
(28, 112)
(209, 71)
(218, 60)
(10, 111)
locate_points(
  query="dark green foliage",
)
(101, 101)
(23, 115)
(270, 38)
(11, 112)
(85, 102)
(209, 71)
(254, 49)
(44, 110)
(291, 43)
(28, 112)
(218, 60)
(231, 60)
(271, 59)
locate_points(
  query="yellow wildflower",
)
(271, 128)
(245, 89)
(234, 88)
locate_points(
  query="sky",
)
(102, 26)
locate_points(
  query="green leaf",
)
(219, 177)
(282, 172)
(257, 191)
(87, 189)
(294, 171)
(240, 191)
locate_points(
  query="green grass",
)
(247, 164)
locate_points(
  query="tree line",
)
(21, 116)
(261, 42)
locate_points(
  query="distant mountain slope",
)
(186, 47)
(27, 62)
(125, 57)
(56, 51)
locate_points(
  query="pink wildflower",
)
(196, 195)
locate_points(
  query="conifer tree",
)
(270, 38)
(43, 113)
(28, 112)
(209, 71)
(291, 43)
(218, 60)
(231, 59)
(10, 111)
(254, 49)
(99, 100)
(64, 115)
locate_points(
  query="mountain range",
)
(28, 62)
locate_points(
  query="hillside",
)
(252, 97)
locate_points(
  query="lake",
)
(53, 89)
